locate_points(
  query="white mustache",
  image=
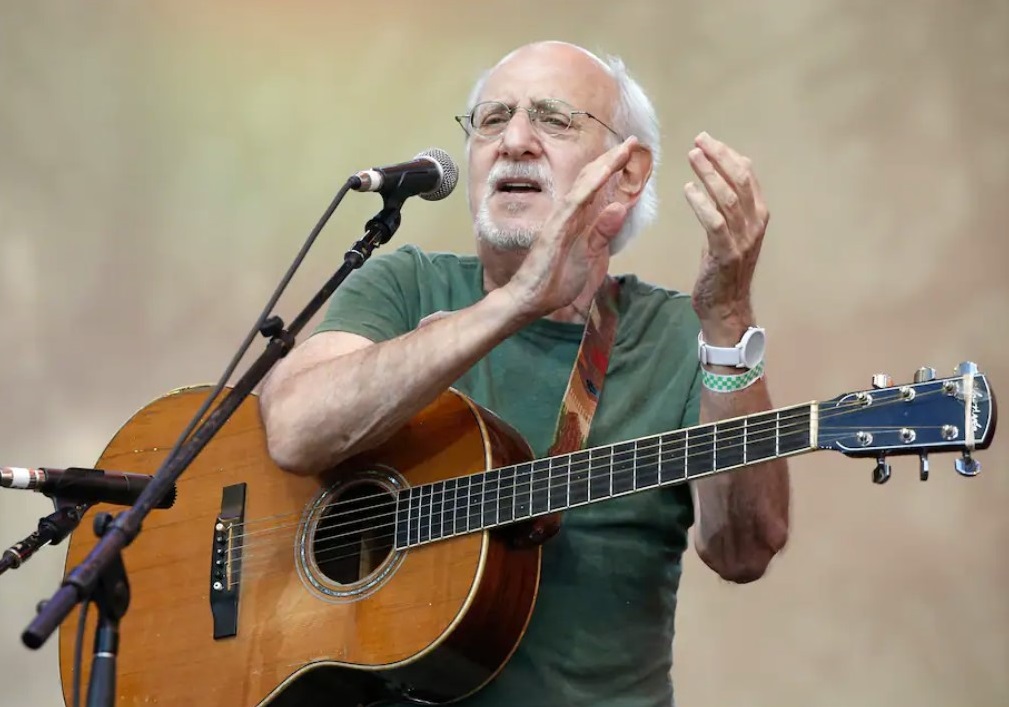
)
(535, 171)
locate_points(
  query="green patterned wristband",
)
(728, 384)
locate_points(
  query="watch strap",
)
(731, 356)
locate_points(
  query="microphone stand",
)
(51, 530)
(101, 575)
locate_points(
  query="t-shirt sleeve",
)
(379, 300)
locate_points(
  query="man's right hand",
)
(574, 243)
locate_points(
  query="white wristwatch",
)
(746, 354)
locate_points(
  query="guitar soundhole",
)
(354, 535)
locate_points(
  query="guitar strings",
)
(324, 550)
(747, 434)
(750, 434)
(253, 563)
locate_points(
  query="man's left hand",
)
(732, 210)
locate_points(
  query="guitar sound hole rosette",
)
(346, 547)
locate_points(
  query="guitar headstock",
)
(930, 415)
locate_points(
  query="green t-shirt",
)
(602, 628)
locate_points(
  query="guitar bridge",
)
(226, 561)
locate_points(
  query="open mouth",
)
(518, 186)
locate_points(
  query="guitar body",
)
(308, 608)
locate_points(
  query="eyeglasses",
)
(551, 117)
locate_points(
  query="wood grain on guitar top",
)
(443, 622)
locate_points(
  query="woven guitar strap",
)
(584, 388)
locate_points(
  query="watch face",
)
(753, 351)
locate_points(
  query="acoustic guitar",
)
(408, 573)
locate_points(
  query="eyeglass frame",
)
(536, 107)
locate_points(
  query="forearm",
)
(743, 514)
(321, 407)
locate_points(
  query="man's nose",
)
(520, 139)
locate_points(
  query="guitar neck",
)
(509, 494)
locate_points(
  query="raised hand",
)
(575, 239)
(732, 210)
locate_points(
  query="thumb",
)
(607, 226)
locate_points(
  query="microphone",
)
(432, 175)
(83, 485)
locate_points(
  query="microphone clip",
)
(52, 529)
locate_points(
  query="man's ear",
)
(634, 176)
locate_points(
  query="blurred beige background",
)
(161, 164)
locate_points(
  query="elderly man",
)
(561, 146)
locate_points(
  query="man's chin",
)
(507, 238)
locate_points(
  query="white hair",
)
(634, 114)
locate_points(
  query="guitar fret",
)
(599, 478)
(567, 485)
(440, 496)
(658, 465)
(745, 440)
(622, 469)
(558, 494)
(490, 496)
(731, 450)
(646, 467)
(777, 433)
(714, 446)
(700, 455)
(448, 508)
(634, 467)
(461, 504)
(686, 450)
(483, 498)
(402, 525)
(415, 517)
(437, 511)
(611, 475)
(678, 472)
(425, 513)
(506, 495)
(523, 490)
(762, 438)
(797, 434)
(539, 494)
(475, 507)
(515, 493)
(532, 486)
(578, 472)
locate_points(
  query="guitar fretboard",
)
(509, 494)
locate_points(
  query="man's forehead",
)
(542, 103)
(527, 83)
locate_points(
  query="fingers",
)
(719, 237)
(727, 199)
(571, 219)
(607, 226)
(597, 172)
(737, 172)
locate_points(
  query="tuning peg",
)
(924, 374)
(882, 380)
(967, 466)
(881, 474)
(923, 469)
(966, 368)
